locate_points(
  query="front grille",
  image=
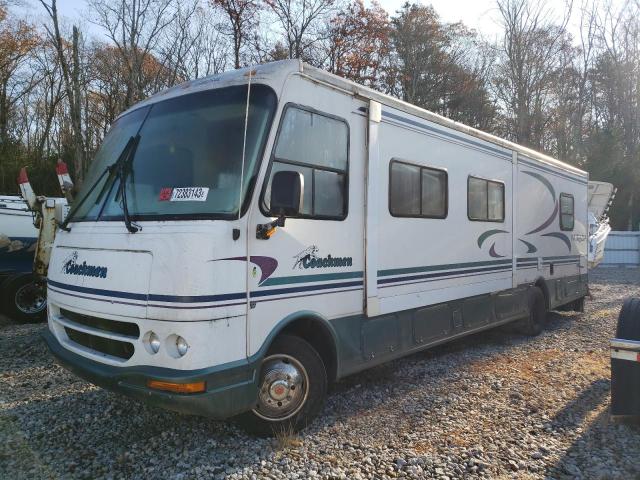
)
(115, 348)
(112, 326)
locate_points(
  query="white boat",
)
(600, 196)
(18, 235)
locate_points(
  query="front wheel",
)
(24, 298)
(291, 390)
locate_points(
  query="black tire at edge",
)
(629, 320)
(8, 289)
(312, 362)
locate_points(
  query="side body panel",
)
(546, 251)
(424, 261)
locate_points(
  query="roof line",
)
(368, 93)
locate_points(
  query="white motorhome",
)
(177, 280)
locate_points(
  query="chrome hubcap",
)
(30, 299)
(283, 388)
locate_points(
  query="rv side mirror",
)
(287, 188)
(287, 193)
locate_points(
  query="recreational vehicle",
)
(244, 239)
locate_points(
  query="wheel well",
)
(542, 285)
(316, 333)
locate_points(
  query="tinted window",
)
(477, 199)
(315, 145)
(405, 189)
(416, 191)
(485, 200)
(307, 137)
(434, 193)
(566, 212)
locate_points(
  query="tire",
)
(296, 359)
(578, 305)
(629, 320)
(23, 298)
(536, 321)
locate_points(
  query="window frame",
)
(420, 167)
(573, 212)
(272, 158)
(504, 203)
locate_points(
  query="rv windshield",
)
(188, 160)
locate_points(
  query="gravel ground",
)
(493, 405)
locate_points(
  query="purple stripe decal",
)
(547, 222)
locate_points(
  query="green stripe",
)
(431, 268)
(528, 260)
(487, 234)
(319, 277)
(560, 257)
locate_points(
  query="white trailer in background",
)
(176, 279)
(600, 196)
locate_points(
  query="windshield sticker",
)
(184, 194)
(165, 194)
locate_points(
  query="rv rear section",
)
(245, 239)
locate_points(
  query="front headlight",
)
(181, 346)
(154, 342)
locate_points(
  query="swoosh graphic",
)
(487, 234)
(267, 265)
(542, 180)
(560, 236)
(547, 222)
(492, 251)
(531, 248)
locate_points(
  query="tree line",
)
(573, 93)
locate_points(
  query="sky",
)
(481, 15)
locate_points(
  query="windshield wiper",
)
(125, 166)
(114, 168)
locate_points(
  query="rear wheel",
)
(292, 388)
(24, 298)
(578, 305)
(536, 321)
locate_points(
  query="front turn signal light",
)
(196, 387)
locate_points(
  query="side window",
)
(566, 211)
(485, 200)
(416, 191)
(317, 146)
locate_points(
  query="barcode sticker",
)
(189, 194)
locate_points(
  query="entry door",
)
(315, 264)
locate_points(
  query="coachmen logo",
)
(309, 258)
(72, 267)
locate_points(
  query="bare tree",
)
(17, 42)
(302, 24)
(135, 27)
(530, 59)
(242, 22)
(193, 45)
(71, 77)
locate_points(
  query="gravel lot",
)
(494, 405)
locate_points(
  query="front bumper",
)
(230, 389)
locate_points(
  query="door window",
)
(317, 146)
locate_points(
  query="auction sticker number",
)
(189, 194)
